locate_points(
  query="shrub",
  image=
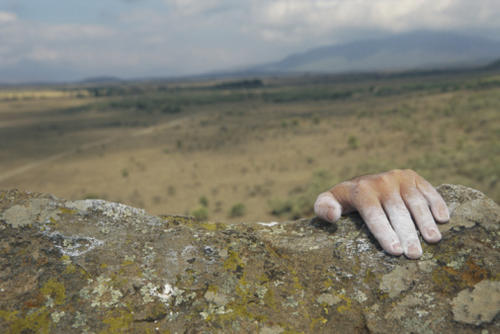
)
(237, 210)
(200, 213)
(125, 172)
(301, 201)
(353, 142)
(203, 201)
(280, 207)
(171, 190)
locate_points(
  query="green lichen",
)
(270, 300)
(369, 277)
(344, 307)
(35, 322)
(127, 263)
(317, 322)
(118, 321)
(70, 269)
(54, 290)
(233, 262)
(67, 211)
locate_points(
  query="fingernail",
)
(443, 213)
(414, 251)
(331, 214)
(396, 247)
(433, 234)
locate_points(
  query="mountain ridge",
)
(408, 51)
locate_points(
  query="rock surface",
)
(94, 266)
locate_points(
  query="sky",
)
(74, 39)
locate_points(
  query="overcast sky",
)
(134, 38)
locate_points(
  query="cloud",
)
(192, 7)
(6, 17)
(312, 18)
(24, 40)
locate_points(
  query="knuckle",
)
(362, 186)
(409, 171)
(394, 172)
(386, 179)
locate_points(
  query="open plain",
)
(253, 150)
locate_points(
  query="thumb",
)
(327, 207)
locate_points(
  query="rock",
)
(398, 280)
(479, 305)
(94, 266)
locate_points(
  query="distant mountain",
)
(494, 65)
(409, 51)
(101, 79)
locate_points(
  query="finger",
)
(374, 216)
(403, 226)
(436, 202)
(421, 215)
(327, 207)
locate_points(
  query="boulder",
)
(93, 266)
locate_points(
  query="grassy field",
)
(252, 150)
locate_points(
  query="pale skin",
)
(393, 205)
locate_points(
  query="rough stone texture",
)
(93, 266)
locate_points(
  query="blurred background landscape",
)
(245, 111)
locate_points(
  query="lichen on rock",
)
(94, 266)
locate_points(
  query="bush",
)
(200, 213)
(124, 172)
(203, 201)
(280, 207)
(237, 210)
(353, 142)
(301, 201)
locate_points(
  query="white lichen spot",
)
(218, 299)
(72, 245)
(362, 245)
(56, 316)
(421, 313)
(291, 302)
(328, 299)
(188, 251)
(360, 297)
(102, 294)
(278, 283)
(271, 224)
(261, 292)
(276, 329)
(115, 211)
(79, 320)
(146, 296)
(130, 258)
(49, 302)
(164, 294)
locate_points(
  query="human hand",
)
(387, 202)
